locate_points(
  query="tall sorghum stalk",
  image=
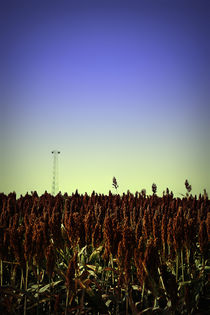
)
(203, 242)
(70, 283)
(170, 236)
(161, 279)
(164, 235)
(1, 271)
(182, 263)
(126, 299)
(188, 260)
(26, 287)
(142, 292)
(50, 265)
(112, 265)
(150, 264)
(178, 235)
(21, 279)
(189, 239)
(37, 271)
(138, 259)
(109, 237)
(177, 266)
(67, 301)
(50, 284)
(82, 301)
(13, 273)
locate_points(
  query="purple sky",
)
(106, 76)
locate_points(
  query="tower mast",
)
(55, 172)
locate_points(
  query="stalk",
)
(182, 262)
(21, 279)
(164, 251)
(188, 260)
(25, 304)
(50, 283)
(155, 302)
(142, 292)
(67, 301)
(82, 301)
(112, 265)
(203, 266)
(126, 297)
(1, 271)
(117, 308)
(161, 279)
(37, 309)
(13, 275)
(169, 250)
(131, 303)
(26, 284)
(177, 266)
(203, 262)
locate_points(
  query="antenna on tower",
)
(55, 172)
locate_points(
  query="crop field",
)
(104, 254)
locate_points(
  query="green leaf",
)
(95, 253)
(46, 287)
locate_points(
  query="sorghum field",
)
(104, 254)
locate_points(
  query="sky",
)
(121, 88)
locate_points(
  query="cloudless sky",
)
(121, 88)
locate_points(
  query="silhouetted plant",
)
(154, 188)
(188, 186)
(114, 183)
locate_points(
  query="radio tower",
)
(55, 172)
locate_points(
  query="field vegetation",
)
(104, 254)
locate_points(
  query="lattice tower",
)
(55, 186)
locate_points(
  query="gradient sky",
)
(121, 88)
